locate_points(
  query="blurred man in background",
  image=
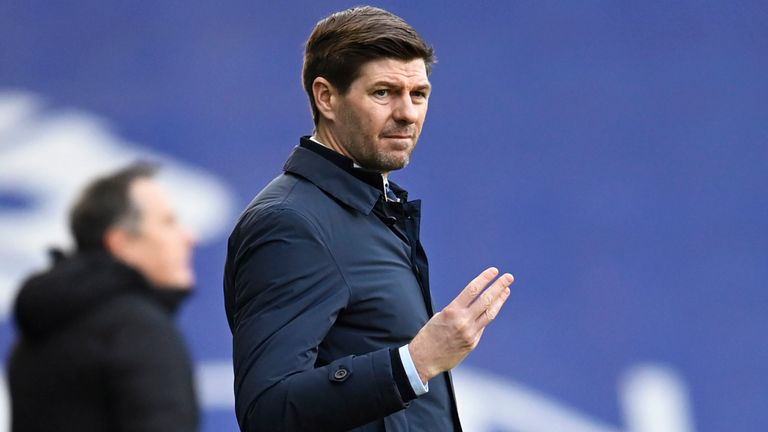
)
(98, 349)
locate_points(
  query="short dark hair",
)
(105, 203)
(342, 42)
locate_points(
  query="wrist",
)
(423, 368)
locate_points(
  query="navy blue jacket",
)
(324, 280)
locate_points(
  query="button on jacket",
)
(324, 280)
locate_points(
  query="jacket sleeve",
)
(284, 293)
(149, 373)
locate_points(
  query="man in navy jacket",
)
(326, 282)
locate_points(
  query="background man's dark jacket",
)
(324, 281)
(98, 351)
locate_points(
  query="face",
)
(378, 121)
(161, 249)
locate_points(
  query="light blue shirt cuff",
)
(413, 375)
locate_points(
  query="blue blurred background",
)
(613, 155)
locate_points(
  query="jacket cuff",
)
(404, 387)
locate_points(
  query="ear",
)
(117, 243)
(325, 97)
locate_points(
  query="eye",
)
(419, 94)
(381, 93)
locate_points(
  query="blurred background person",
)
(97, 347)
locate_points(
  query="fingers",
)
(451, 334)
(490, 302)
(475, 287)
(493, 310)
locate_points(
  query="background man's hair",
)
(105, 203)
(342, 42)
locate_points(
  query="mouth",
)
(399, 142)
(398, 136)
(399, 132)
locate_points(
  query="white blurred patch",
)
(655, 399)
(490, 402)
(47, 156)
(653, 396)
(214, 381)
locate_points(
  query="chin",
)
(186, 283)
(396, 163)
(182, 281)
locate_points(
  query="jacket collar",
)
(336, 175)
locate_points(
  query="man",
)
(326, 283)
(98, 350)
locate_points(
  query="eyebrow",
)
(386, 83)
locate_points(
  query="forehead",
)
(149, 196)
(404, 72)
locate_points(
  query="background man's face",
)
(381, 115)
(162, 248)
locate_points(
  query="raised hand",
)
(455, 331)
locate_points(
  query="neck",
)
(325, 136)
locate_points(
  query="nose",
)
(405, 110)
